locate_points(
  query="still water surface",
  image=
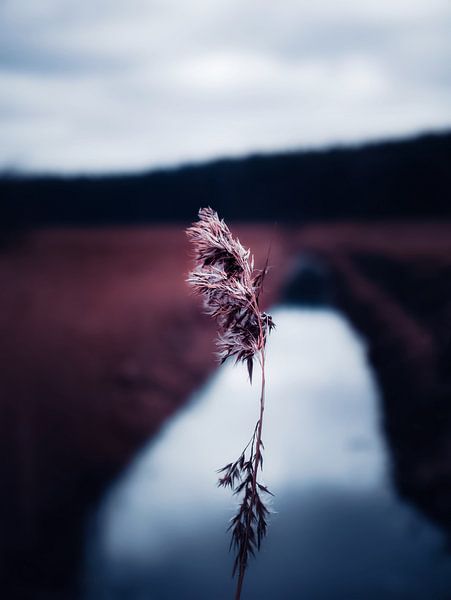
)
(338, 530)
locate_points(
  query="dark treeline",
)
(401, 179)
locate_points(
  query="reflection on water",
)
(338, 532)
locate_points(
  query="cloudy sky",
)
(110, 85)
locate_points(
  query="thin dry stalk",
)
(225, 277)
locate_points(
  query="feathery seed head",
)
(225, 277)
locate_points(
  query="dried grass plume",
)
(225, 277)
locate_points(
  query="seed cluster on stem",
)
(224, 275)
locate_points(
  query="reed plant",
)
(225, 277)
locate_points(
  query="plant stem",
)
(257, 458)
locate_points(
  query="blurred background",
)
(321, 132)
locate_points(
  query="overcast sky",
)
(108, 85)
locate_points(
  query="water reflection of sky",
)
(338, 532)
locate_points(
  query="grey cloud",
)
(122, 84)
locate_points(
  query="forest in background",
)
(397, 179)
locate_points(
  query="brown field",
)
(101, 341)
